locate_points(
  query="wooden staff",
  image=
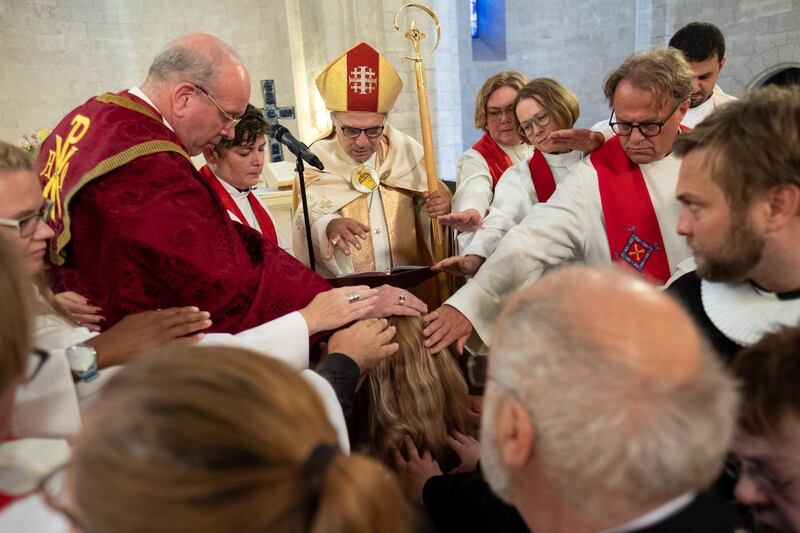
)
(415, 36)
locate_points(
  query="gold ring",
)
(335, 241)
(401, 300)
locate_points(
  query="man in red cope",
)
(616, 205)
(137, 227)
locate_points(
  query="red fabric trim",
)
(634, 236)
(495, 157)
(362, 78)
(267, 227)
(6, 500)
(543, 181)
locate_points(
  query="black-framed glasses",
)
(36, 361)
(354, 133)
(541, 120)
(227, 116)
(647, 129)
(26, 225)
(54, 491)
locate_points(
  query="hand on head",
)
(446, 326)
(334, 308)
(393, 301)
(367, 342)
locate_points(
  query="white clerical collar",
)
(517, 152)
(744, 313)
(136, 91)
(562, 160)
(655, 516)
(24, 462)
(230, 189)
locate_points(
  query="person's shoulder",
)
(685, 287)
(705, 514)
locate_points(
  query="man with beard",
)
(739, 188)
(703, 45)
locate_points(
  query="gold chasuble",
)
(400, 167)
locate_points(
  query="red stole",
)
(267, 227)
(497, 159)
(543, 181)
(634, 236)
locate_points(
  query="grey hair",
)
(611, 441)
(178, 62)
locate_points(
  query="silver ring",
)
(353, 297)
(335, 241)
(401, 300)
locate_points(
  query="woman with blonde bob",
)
(220, 440)
(416, 394)
(543, 107)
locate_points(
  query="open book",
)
(404, 277)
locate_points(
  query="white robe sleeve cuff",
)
(332, 407)
(285, 339)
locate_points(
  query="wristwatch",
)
(83, 362)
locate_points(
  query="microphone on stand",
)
(300, 150)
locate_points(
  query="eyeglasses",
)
(27, 224)
(53, 488)
(758, 474)
(541, 120)
(496, 113)
(36, 361)
(233, 120)
(647, 129)
(354, 133)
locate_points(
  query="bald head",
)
(628, 406)
(199, 84)
(622, 318)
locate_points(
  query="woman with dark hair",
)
(234, 169)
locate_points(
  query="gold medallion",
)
(364, 179)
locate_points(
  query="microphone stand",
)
(300, 168)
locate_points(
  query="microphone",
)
(282, 135)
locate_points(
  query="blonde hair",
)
(662, 71)
(555, 98)
(507, 78)
(416, 393)
(15, 316)
(217, 439)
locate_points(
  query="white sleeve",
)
(603, 128)
(514, 197)
(285, 339)
(332, 407)
(552, 233)
(473, 183)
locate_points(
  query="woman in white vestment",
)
(543, 107)
(479, 168)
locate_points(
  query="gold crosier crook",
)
(415, 36)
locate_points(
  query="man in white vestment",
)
(370, 208)
(617, 205)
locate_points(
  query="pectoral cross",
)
(273, 113)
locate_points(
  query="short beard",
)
(735, 259)
(493, 470)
